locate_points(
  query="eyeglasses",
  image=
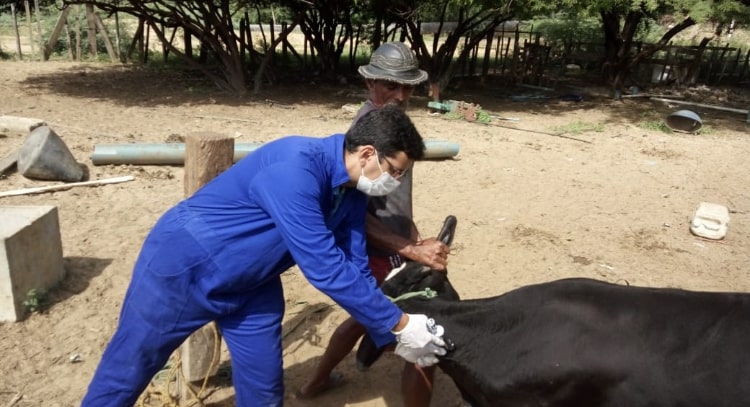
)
(395, 171)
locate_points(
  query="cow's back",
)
(580, 342)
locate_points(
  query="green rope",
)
(426, 293)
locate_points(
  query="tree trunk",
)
(267, 59)
(188, 44)
(619, 61)
(39, 30)
(434, 92)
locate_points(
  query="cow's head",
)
(410, 283)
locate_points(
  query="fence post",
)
(206, 156)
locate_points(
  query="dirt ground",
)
(534, 204)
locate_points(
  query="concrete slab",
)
(30, 256)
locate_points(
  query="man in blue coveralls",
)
(218, 256)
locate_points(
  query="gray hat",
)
(394, 62)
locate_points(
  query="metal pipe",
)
(726, 109)
(174, 153)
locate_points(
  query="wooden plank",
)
(15, 29)
(50, 188)
(91, 30)
(105, 35)
(28, 24)
(62, 20)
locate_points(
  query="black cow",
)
(584, 343)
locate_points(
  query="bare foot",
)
(335, 379)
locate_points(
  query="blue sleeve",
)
(350, 236)
(292, 197)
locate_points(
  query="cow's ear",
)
(448, 230)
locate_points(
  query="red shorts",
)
(382, 265)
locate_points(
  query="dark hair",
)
(389, 130)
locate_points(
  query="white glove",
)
(420, 341)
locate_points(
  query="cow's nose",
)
(450, 346)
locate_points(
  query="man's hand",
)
(420, 341)
(430, 252)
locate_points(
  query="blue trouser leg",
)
(253, 336)
(161, 308)
(130, 361)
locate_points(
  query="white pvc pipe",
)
(726, 109)
(174, 153)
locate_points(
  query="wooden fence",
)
(525, 57)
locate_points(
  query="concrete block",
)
(30, 255)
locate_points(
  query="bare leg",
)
(342, 342)
(416, 385)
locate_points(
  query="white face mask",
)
(382, 185)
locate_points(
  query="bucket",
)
(684, 120)
(710, 221)
(45, 156)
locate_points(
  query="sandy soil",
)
(533, 205)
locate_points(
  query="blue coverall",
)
(218, 256)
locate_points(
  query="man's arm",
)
(430, 252)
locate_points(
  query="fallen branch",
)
(541, 132)
(274, 103)
(205, 116)
(643, 95)
(15, 400)
(36, 190)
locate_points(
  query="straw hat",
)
(394, 62)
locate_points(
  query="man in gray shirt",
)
(392, 236)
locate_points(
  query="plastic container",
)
(684, 120)
(711, 221)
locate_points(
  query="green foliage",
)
(482, 116)
(699, 10)
(649, 31)
(655, 125)
(565, 28)
(651, 121)
(586, 26)
(35, 301)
